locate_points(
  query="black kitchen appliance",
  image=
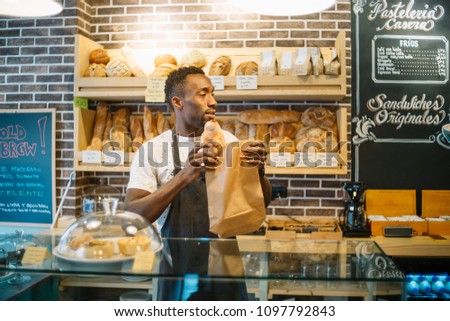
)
(353, 221)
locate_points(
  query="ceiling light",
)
(30, 8)
(283, 7)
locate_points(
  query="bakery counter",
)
(253, 268)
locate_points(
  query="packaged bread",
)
(165, 59)
(119, 132)
(284, 130)
(316, 60)
(302, 64)
(95, 70)
(150, 130)
(193, 58)
(80, 240)
(221, 66)
(129, 246)
(101, 116)
(98, 249)
(268, 116)
(240, 130)
(163, 70)
(331, 65)
(318, 117)
(229, 125)
(137, 133)
(285, 64)
(161, 123)
(118, 67)
(212, 134)
(268, 63)
(247, 68)
(316, 139)
(99, 56)
(282, 145)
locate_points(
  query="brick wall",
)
(37, 71)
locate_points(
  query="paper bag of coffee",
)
(268, 65)
(317, 61)
(331, 64)
(286, 63)
(303, 65)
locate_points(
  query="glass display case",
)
(245, 268)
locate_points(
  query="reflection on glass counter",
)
(245, 268)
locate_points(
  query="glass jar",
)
(93, 199)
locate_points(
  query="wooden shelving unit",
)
(270, 88)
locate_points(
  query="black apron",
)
(188, 218)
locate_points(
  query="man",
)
(174, 163)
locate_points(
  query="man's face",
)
(198, 101)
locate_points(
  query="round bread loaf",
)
(268, 116)
(316, 139)
(79, 241)
(118, 68)
(95, 70)
(247, 68)
(193, 58)
(98, 249)
(165, 59)
(220, 66)
(163, 70)
(130, 245)
(318, 117)
(99, 56)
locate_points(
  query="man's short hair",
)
(176, 81)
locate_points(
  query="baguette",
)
(161, 123)
(268, 116)
(137, 133)
(149, 128)
(107, 133)
(213, 134)
(240, 130)
(121, 125)
(99, 127)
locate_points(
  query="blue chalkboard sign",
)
(27, 166)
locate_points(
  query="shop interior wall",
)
(36, 71)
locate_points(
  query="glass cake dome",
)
(107, 236)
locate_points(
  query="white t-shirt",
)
(153, 164)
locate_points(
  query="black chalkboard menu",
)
(401, 94)
(27, 166)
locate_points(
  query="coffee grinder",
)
(354, 222)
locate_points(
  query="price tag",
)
(218, 82)
(143, 261)
(327, 160)
(155, 90)
(280, 159)
(246, 82)
(80, 102)
(35, 255)
(91, 156)
(114, 157)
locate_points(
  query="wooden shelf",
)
(270, 88)
(84, 123)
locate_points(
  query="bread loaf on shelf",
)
(247, 68)
(99, 127)
(316, 139)
(229, 125)
(95, 70)
(268, 116)
(119, 132)
(107, 133)
(99, 56)
(221, 66)
(241, 130)
(148, 123)
(318, 117)
(161, 123)
(193, 58)
(163, 70)
(165, 59)
(137, 133)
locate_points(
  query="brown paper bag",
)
(235, 198)
(224, 258)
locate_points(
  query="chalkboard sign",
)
(27, 167)
(400, 94)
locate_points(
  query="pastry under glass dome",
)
(108, 236)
